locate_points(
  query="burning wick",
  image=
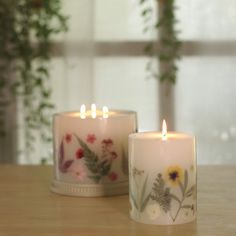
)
(93, 111)
(105, 112)
(83, 111)
(164, 131)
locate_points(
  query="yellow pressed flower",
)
(174, 175)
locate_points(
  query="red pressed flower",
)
(91, 138)
(107, 142)
(79, 153)
(113, 155)
(68, 138)
(113, 176)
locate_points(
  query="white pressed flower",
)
(153, 211)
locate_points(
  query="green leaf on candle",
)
(175, 197)
(190, 192)
(138, 191)
(87, 152)
(183, 187)
(96, 178)
(161, 193)
(144, 200)
(144, 203)
(134, 200)
(98, 167)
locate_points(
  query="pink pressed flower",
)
(107, 142)
(91, 138)
(113, 176)
(68, 138)
(79, 153)
(113, 155)
(80, 173)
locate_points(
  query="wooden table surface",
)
(27, 207)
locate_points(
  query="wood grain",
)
(27, 207)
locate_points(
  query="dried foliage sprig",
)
(26, 29)
(168, 49)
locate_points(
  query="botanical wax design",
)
(96, 167)
(163, 195)
(138, 192)
(63, 165)
(169, 187)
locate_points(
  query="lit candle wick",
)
(164, 131)
(83, 111)
(93, 111)
(105, 112)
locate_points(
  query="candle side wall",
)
(172, 162)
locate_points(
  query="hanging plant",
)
(26, 29)
(168, 49)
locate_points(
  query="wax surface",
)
(92, 151)
(99, 114)
(162, 178)
(157, 135)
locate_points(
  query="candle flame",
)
(83, 111)
(93, 111)
(164, 131)
(105, 112)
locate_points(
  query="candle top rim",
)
(111, 113)
(155, 135)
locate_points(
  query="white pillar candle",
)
(162, 171)
(91, 152)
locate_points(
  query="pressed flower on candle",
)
(162, 177)
(98, 166)
(153, 211)
(80, 173)
(63, 164)
(113, 155)
(91, 138)
(95, 141)
(79, 153)
(68, 138)
(113, 176)
(174, 175)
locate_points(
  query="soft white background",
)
(206, 86)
